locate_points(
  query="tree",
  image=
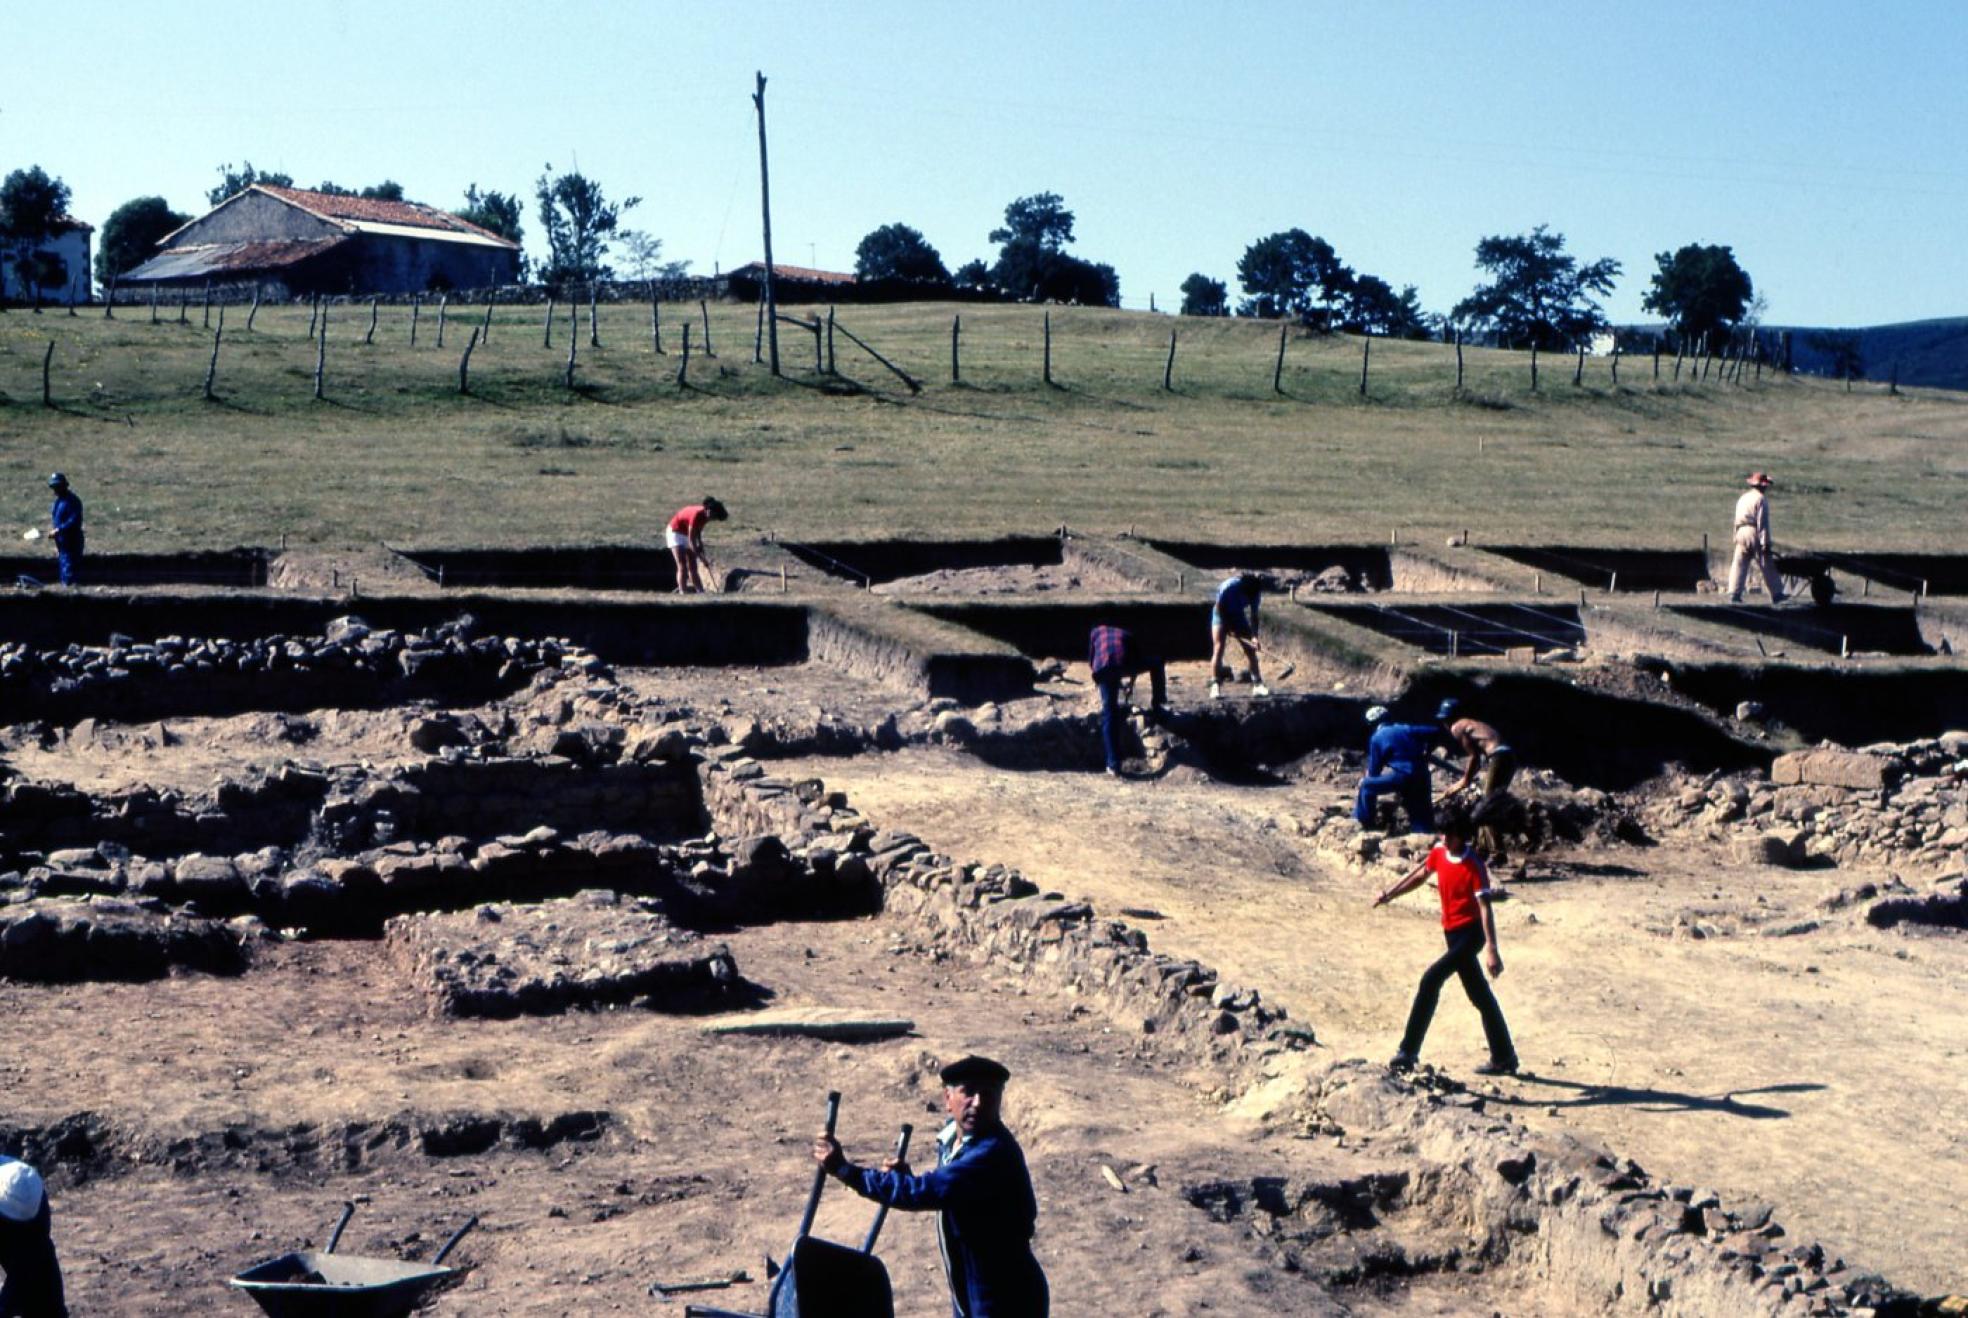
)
(1279, 274)
(496, 212)
(972, 274)
(578, 219)
(130, 234)
(1701, 290)
(32, 205)
(1041, 219)
(238, 181)
(1373, 307)
(387, 190)
(1842, 346)
(1539, 295)
(645, 256)
(896, 251)
(1203, 296)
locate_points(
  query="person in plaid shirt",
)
(1115, 656)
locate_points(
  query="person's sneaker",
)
(1113, 771)
(1260, 690)
(1402, 1061)
(1216, 691)
(1498, 1068)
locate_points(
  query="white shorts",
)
(676, 539)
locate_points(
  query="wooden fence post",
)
(1657, 357)
(1366, 354)
(485, 331)
(1168, 367)
(416, 309)
(208, 304)
(830, 340)
(314, 313)
(375, 312)
(184, 304)
(705, 307)
(153, 304)
(1048, 347)
(47, 360)
(1534, 367)
(109, 299)
(1578, 372)
(573, 338)
(253, 312)
(212, 367)
(1679, 344)
(915, 386)
(546, 324)
(1458, 361)
(321, 353)
(655, 321)
(683, 366)
(443, 305)
(1893, 386)
(956, 330)
(758, 335)
(819, 365)
(1616, 365)
(594, 325)
(1278, 368)
(464, 362)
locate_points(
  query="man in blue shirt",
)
(33, 1285)
(1234, 614)
(1397, 761)
(65, 518)
(980, 1190)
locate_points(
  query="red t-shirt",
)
(690, 521)
(1462, 883)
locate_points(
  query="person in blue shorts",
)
(1235, 615)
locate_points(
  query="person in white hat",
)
(1752, 537)
(33, 1288)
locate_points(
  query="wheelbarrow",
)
(323, 1284)
(822, 1279)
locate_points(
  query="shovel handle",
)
(335, 1236)
(881, 1211)
(452, 1243)
(820, 1174)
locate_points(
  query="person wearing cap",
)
(1486, 748)
(685, 538)
(1397, 762)
(981, 1191)
(1752, 540)
(65, 523)
(1115, 656)
(1235, 614)
(33, 1285)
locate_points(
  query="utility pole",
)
(765, 208)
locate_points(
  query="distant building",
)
(70, 242)
(791, 283)
(291, 241)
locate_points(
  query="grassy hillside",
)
(1930, 353)
(395, 452)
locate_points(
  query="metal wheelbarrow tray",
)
(323, 1284)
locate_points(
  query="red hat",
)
(1759, 480)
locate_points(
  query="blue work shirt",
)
(988, 1213)
(66, 519)
(1236, 605)
(1404, 744)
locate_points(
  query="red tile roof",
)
(370, 210)
(803, 273)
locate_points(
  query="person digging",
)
(1486, 749)
(1469, 929)
(980, 1190)
(1115, 656)
(685, 538)
(1234, 614)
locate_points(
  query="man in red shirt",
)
(685, 538)
(1468, 927)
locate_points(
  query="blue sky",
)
(1824, 143)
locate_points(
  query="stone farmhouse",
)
(70, 242)
(291, 242)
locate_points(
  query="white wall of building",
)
(73, 248)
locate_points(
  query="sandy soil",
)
(1806, 1070)
(1015, 579)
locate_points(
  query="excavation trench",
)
(1836, 629)
(1678, 570)
(878, 562)
(232, 567)
(1853, 706)
(1468, 630)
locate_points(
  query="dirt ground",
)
(1813, 1071)
(1806, 1071)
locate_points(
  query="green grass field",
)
(396, 453)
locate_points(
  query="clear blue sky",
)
(1823, 142)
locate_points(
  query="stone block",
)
(1834, 768)
(1780, 846)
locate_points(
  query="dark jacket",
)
(1401, 747)
(988, 1214)
(33, 1288)
(65, 516)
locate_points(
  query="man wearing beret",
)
(980, 1190)
(33, 1288)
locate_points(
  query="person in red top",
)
(1469, 928)
(686, 541)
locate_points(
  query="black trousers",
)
(1461, 960)
(33, 1288)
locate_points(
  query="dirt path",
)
(1811, 1071)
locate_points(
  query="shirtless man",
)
(1481, 743)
